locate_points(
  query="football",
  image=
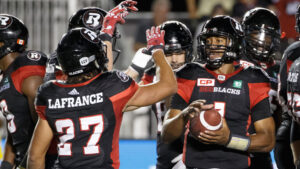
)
(205, 120)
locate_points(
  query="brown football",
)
(205, 120)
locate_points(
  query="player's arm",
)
(295, 142)
(166, 86)
(30, 86)
(175, 120)
(39, 145)
(110, 57)
(264, 139)
(9, 155)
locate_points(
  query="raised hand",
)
(117, 15)
(155, 39)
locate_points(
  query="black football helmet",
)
(89, 17)
(13, 35)
(80, 51)
(92, 18)
(220, 26)
(298, 19)
(262, 34)
(178, 38)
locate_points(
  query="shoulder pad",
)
(32, 58)
(292, 52)
(190, 70)
(258, 73)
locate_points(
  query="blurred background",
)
(47, 21)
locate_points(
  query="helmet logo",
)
(34, 56)
(84, 61)
(124, 77)
(89, 35)
(5, 21)
(92, 20)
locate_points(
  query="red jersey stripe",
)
(147, 79)
(25, 71)
(119, 101)
(185, 88)
(41, 111)
(258, 92)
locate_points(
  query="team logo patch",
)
(205, 82)
(221, 77)
(123, 76)
(34, 56)
(237, 84)
(92, 19)
(5, 21)
(89, 35)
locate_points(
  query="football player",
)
(239, 94)
(262, 39)
(23, 72)
(178, 50)
(85, 111)
(101, 22)
(282, 151)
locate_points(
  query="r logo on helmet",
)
(5, 22)
(89, 35)
(34, 56)
(92, 19)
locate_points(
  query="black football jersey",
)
(14, 104)
(289, 56)
(165, 152)
(293, 90)
(241, 97)
(86, 118)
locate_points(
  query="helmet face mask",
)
(297, 27)
(220, 41)
(262, 34)
(13, 35)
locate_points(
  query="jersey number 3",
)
(66, 127)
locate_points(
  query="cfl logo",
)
(34, 56)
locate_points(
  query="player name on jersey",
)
(79, 101)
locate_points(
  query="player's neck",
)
(7, 60)
(225, 69)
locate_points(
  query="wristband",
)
(238, 142)
(6, 165)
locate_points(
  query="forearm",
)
(173, 127)
(262, 142)
(109, 55)
(167, 76)
(9, 154)
(295, 146)
(36, 162)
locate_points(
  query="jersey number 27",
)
(66, 127)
